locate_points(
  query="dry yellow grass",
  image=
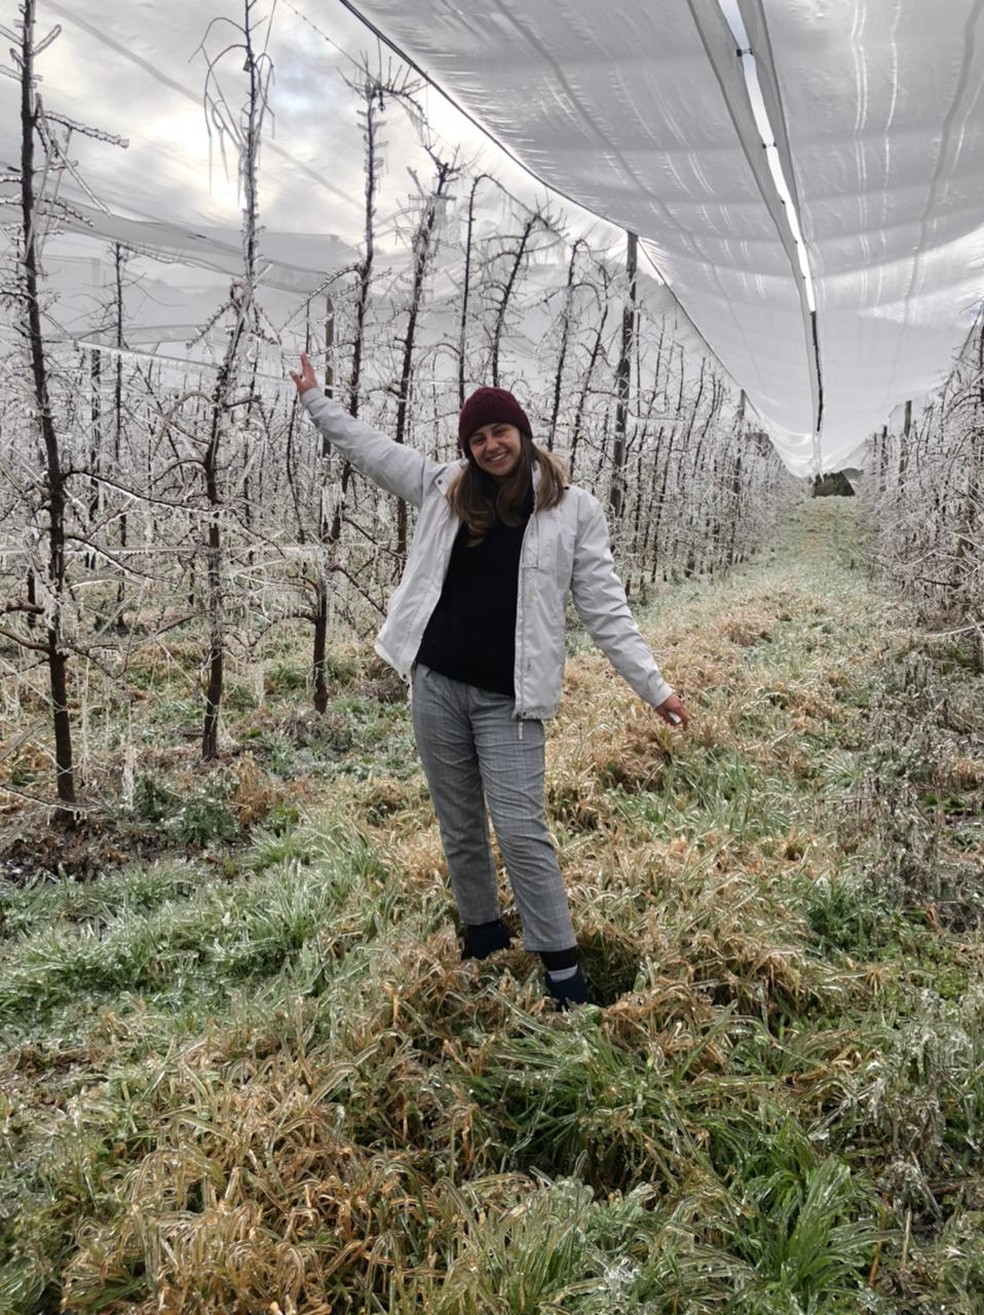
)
(366, 1137)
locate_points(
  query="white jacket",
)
(565, 551)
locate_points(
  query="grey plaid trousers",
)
(474, 753)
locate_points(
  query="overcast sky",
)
(129, 70)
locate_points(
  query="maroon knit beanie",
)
(488, 406)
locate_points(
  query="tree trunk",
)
(319, 654)
(466, 290)
(582, 399)
(566, 319)
(519, 255)
(55, 492)
(214, 600)
(119, 263)
(423, 247)
(616, 498)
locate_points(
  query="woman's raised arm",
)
(398, 469)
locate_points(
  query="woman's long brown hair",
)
(478, 499)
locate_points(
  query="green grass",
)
(251, 1069)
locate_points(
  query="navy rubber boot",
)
(485, 939)
(569, 992)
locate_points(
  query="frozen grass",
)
(257, 1076)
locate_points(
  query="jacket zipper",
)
(520, 663)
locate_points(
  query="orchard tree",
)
(44, 162)
(243, 129)
(431, 203)
(924, 487)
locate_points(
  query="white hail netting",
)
(638, 110)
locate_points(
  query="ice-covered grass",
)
(252, 1073)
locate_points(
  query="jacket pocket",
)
(562, 557)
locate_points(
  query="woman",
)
(477, 623)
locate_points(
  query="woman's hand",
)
(304, 378)
(673, 711)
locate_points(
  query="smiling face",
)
(496, 448)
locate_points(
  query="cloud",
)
(122, 70)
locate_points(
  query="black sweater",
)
(471, 635)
